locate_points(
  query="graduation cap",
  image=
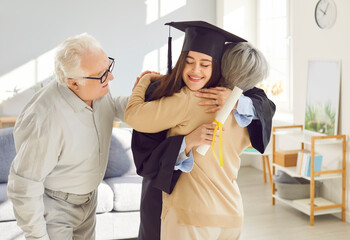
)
(202, 37)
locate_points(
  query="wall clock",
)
(325, 13)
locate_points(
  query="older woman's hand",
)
(216, 97)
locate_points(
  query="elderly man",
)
(62, 139)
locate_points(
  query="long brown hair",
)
(173, 82)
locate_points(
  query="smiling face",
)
(198, 70)
(94, 65)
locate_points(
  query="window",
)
(273, 40)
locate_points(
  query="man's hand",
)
(216, 97)
(143, 74)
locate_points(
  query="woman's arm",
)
(155, 155)
(154, 116)
(260, 127)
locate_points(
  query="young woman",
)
(206, 201)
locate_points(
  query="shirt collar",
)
(73, 100)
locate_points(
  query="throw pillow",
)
(120, 159)
(7, 153)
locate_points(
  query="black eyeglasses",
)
(104, 76)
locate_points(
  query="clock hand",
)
(325, 11)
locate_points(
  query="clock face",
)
(325, 13)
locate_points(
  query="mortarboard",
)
(202, 37)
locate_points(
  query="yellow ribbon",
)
(218, 125)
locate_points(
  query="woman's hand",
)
(201, 135)
(217, 97)
(155, 76)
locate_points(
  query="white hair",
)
(69, 54)
(243, 66)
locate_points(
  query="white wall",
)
(312, 43)
(238, 17)
(132, 31)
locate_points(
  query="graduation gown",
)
(260, 129)
(155, 156)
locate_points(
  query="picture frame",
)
(322, 97)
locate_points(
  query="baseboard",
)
(252, 161)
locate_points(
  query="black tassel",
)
(169, 54)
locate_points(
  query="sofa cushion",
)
(7, 153)
(120, 159)
(118, 225)
(105, 198)
(6, 208)
(127, 192)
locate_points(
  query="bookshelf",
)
(305, 207)
(314, 205)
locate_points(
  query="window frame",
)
(286, 104)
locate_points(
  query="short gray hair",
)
(69, 53)
(243, 66)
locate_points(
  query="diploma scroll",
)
(223, 114)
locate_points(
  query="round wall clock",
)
(325, 13)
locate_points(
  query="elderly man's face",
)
(95, 65)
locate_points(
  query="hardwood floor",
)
(263, 221)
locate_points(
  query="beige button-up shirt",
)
(62, 144)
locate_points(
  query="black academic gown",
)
(155, 157)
